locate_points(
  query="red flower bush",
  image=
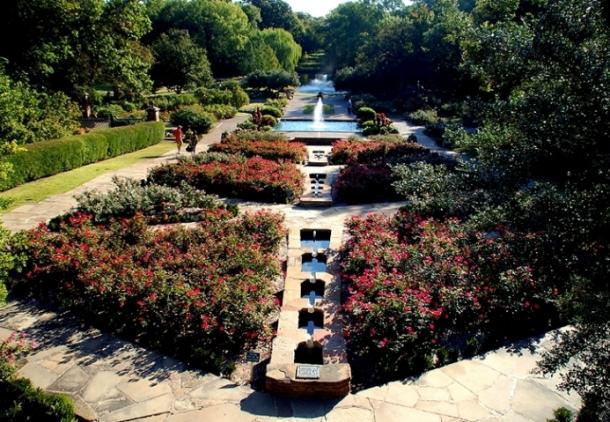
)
(202, 293)
(253, 178)
(369, 151)
(272, 150)
(362, 183)
(421, 290)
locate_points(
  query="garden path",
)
(114, 380)
(30, 215)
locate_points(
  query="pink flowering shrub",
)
(422, 291)
(254, 178)
(363, 183)
(272, 150)
(202, 293)
(373, 150)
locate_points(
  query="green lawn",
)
(40, 189)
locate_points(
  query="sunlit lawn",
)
(38, 190)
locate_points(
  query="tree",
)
(80, 44)
(28, 116)
(346, 29)
(258, 55)
(275, 14)
(286, 50)
(179, 62)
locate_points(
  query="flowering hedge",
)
(272, 150)
(362, 183)
(367, 151)
(253, 178)
(201, 293)
(424, 292)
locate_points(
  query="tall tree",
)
(179, 62)
(82, 43)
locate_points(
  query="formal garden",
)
(456, 205)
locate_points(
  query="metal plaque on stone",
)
(253, 357)
(310, 372)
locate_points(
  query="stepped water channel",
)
(308, 356)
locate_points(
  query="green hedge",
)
(42, 159)
(23, 402)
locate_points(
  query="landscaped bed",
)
(368, 175)
(204, 293)
(234, 176)
(269, 149)
(423, 293)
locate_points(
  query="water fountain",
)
(318, 114)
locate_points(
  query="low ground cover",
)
(201, 293)
(424, 292)
(234, 176)
(273, 150)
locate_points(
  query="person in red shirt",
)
(179, 136)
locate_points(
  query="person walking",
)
(193, 140)
(349, 106)
(178, 136)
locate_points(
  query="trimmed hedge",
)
(42, 159)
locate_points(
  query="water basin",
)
(309, 126)
(320, 83)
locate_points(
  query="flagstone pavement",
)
(113, 380)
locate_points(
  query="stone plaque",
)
(308, 372)
(253, 357)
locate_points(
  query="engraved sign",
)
(308, 372)
(253, 357)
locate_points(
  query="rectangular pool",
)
(309, 126)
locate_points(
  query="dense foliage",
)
(234, 176)
(47, 158)
(202, 293)
(158, 204)
(29, 116)
(424, 292)
(272, 150)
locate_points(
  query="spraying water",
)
(318, 114)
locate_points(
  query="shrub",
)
(22, 401)
(203, 293)
(419, 288)
(369, 151)
(271, 111)
(254, 178)
(272, 150)
(257, 135)
(156, 203)
(424, 117)
(220, 111)
(435, 190)
(172, 102)
(366, 113)
(109, 111)
(362, 183)
(234, 96)
(272, 79)
(198, 121)
(277, 102)
(268, 120)
(42, 159)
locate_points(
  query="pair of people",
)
(191, 139)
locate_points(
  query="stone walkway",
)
(28, 216)
(114, 380)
